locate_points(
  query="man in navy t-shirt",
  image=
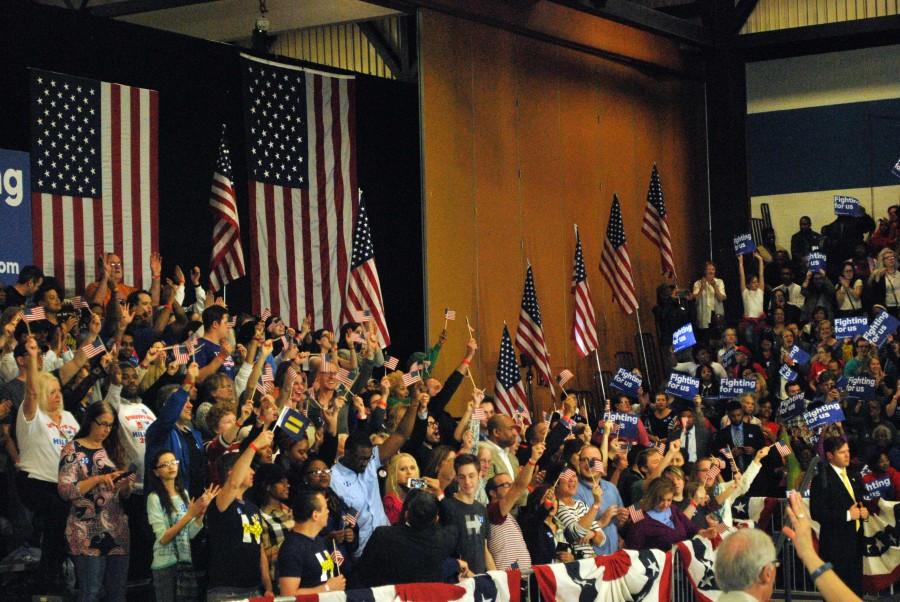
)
(213, 348)
(306, 564)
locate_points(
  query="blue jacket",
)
(163, 434)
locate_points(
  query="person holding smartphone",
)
(91, 480)
(403, 476)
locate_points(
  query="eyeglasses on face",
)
(167, 464)
(108, 425)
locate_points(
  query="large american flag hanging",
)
(655, 225)
(508, 390)
(530, 333)
(584, 329)
(364, 290)
(227, 261)
(302, 164)
(615, 265)
(94, 177)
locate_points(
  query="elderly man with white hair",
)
(746, 562)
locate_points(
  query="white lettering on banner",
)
(11, 186)
(9, 267)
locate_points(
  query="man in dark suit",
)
(835, 501)
(743, 438)
(691, 430)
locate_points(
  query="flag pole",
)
(224, 298)
(600, 373)
(637, 314)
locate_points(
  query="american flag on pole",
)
(635, 514)
(615, 265)
(227, 262)
(364, 290)
(508, 390)
(350, 519)
(77, 302)
(530, 333)
(411, 378)
(584, 325)
(783, 449)
(655, 225)
(93, 177)
(302, 163)
(343, 377)
(33, 314)
(391, 362)
(449, 314)
(95, 348)
(564, 377)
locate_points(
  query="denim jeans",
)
(164, 584)
(101, 572)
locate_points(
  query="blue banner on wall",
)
(15, 214)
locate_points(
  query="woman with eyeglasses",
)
(175, 520)
(92, 481)
(43, 428)
(849, 292)
(342, 518)
(885, 282)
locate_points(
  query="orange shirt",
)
(122, 289)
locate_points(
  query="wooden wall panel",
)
(521, 140)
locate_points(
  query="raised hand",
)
(155, 264)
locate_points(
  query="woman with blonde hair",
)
(43, 429)
(400, 470)
(885, 281)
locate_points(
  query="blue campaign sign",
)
(15, 214)
(850, 328)
(792, 407)
(787, 374)
(822, 415)
(799, 356)
(728, 358)
(846, 205)
(816, 261)
(883, 325)
(684, 338)
(682, 386)
(626, 382)
(860, 387)
(879, 487)
(730, 388)
(626, 425)
(743, 244)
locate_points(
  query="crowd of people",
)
(142, 436)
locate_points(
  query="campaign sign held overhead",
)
(626, 425)
(799, 356)
(683, 338)
(824, 414)
(735, 387)
(626, 382)
(792, 407)
(743, 244)
(787, 374)
(860, 387)
(847, 205)
(816, 261)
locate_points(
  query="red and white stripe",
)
(656, 228)
(307, 233)
(227, 263)
(615, 265)
(584, 324)
(71, 232)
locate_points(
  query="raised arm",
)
(393, 443)
(520, 485)
(30, 405)
(742, 277)
(238, 473)
(761, 265)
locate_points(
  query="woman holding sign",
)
(752, 297)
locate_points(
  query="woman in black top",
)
(542, 534)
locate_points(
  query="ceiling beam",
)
(742, 12)
(133, 7)
(383, 47)
(643, 17)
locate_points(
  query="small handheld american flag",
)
(95, 348)
(478, 414)
(661, 446)
(411, 378)
(362, 316)
(597, 466)
(181, 355)
(568, 475)
(783, 449)
(33, 314)
(338, 557)
(391, 362)
(564, 377)
(727, 453)
(712, 473)
(78, 302)
(635, 514)
(350, 519)
(266, 314)
(343, 377)
(449, 314)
